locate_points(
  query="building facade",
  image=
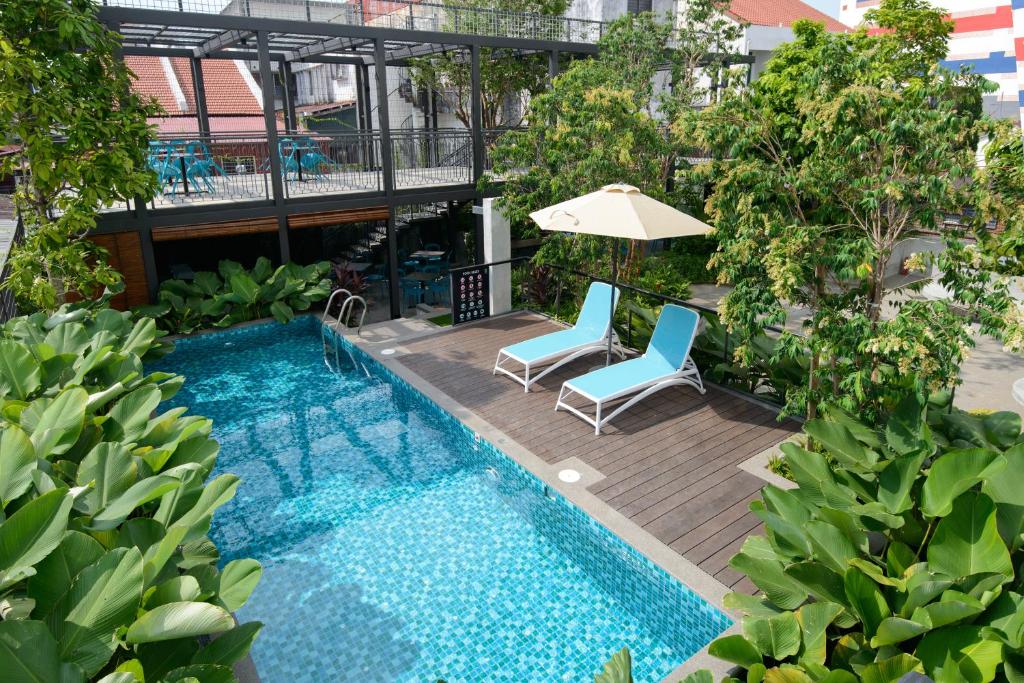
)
(988, 36)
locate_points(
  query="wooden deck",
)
(670, 463)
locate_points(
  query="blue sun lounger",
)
(666, 363)
(588, 335)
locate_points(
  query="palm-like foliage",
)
(106, 571)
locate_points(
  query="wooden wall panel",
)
(224, 229)
(320, 219)
(125, 256)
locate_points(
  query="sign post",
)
(470, 298)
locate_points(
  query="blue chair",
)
(666, 363)
(412, 292)
(439, 291)
(588, 335)
(200, 164)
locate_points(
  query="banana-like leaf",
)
(618, 669)
(179, 620)
(244, 288)
(20, 373)
(28, 653)
(768, 575)
(230, 646)
(967, 541)
(140, 493)
(207, 282)
(841, 443)
(777, 637)
(130, 415)
(866, 600)
(216, 492)
(814, 619)
(140, 338)
(890, 670)
(238, 579)
(896, 480)
(282, 312)
(17, 461)
(736, 649)
(177, 589)
(103, 598)
(976, 655)
(57, 572)
(1005, 490)
(57, 427)
(155, 556)
(32, 533)
(110, 469)
(893, 630)
(955, 472)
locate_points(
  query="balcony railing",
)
(205, 168)
(432, 157)
(334, 163)
(413, 16)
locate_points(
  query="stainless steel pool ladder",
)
(344, 314)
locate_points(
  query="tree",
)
(601, 121)
(80, 138)
(507, 79)
(845, 147)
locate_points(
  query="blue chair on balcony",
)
(200, 165)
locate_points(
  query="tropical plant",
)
(78, 141)
(596, 123)
(505, 78)
(900, 554)
(106, 570)
(846, 146)
(234, 295)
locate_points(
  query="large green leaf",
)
(976, 655)
(230, 646)
(967, 541)
(200, 673)
(179, 620)
(841, 443)
(618, 669)
(17, 460)
(111, 470)
(814, 619)
(244, 288)
(28, 653)
(890, 670)
(177, 589)
(130, 415)
(32, 533)
(216, 492)
(830, 545)
(70, 339)
(20, 374)
(103, 598)
(1005, 491)
(769, 576)
(777, 637)
(955, 472)
(866, 600)
(817, 579)
(281, 311)
(1006, 614)
(209, 283)
(735, 649)
(896, 480)
(140, 493)
(894, 630)
(60, 423)
(237, 581)
(56, 573)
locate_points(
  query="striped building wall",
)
(988, 35)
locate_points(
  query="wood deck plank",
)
(669, 463)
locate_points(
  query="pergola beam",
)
(221, 41)
(323, 47)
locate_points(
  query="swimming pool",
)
(397, 546)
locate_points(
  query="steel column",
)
(270, 120)
(553, 65)
(288, 80)
(199, 88)
(380, 72)
(477, 134)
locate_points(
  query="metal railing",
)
(413, 16)
(432, 157)
(330, 163)
(197, 168)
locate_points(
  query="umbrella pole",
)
(611, 313)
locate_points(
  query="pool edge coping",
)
(629, 532)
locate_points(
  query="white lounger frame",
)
(688, 374)
(574, 353)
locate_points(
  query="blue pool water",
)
(398, 547)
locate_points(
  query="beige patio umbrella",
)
(622, 212)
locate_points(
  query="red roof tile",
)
(227, 91)
(218, 124)
(781, 13)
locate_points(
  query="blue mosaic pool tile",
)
(399, 546)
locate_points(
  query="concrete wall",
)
(498, 247)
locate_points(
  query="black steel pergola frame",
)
(198, 36)
(227, 36)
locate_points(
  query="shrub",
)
(106, 570)
(234, 295)
(901, 556)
